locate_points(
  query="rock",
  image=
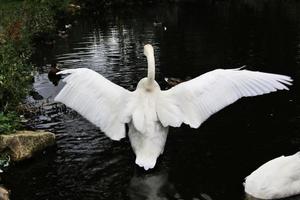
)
(24, 144)
(4, 194)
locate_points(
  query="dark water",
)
(206, 163)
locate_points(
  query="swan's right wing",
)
(97, 99)
(192, 102)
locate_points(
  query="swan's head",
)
(148, 50)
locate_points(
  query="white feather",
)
(192, 102)
(149, 111)
(97, 99)
(147, 148)
(278, 178)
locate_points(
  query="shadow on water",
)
(207, 163)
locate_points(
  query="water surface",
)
(206, 163)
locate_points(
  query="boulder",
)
(4, 194)
(24, 144)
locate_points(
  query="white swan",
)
(278, 178)
(149, 111)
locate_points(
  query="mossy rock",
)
(24, 144)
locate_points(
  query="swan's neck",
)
(151, 68)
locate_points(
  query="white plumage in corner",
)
(278, 178)
(149, 111)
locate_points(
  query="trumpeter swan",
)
(276, 179)
(149, 111)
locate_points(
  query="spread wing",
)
(192, 102)
(97, 99)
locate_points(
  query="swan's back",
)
(278, 178)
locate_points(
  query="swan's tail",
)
(146, 161)
(147, 148)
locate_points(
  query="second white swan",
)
(276, 179)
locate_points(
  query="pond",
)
(206, 163)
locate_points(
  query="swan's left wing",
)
(192, 102)
(97, 99)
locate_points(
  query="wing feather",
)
(97, 99)
(192, 102)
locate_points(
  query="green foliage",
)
(9, 122)
(14, 76)
(21, 23)
(42, 15)
(39, 19)
(102, 5)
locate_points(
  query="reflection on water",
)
(155, 185)
(151, 186)
(207, 163)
